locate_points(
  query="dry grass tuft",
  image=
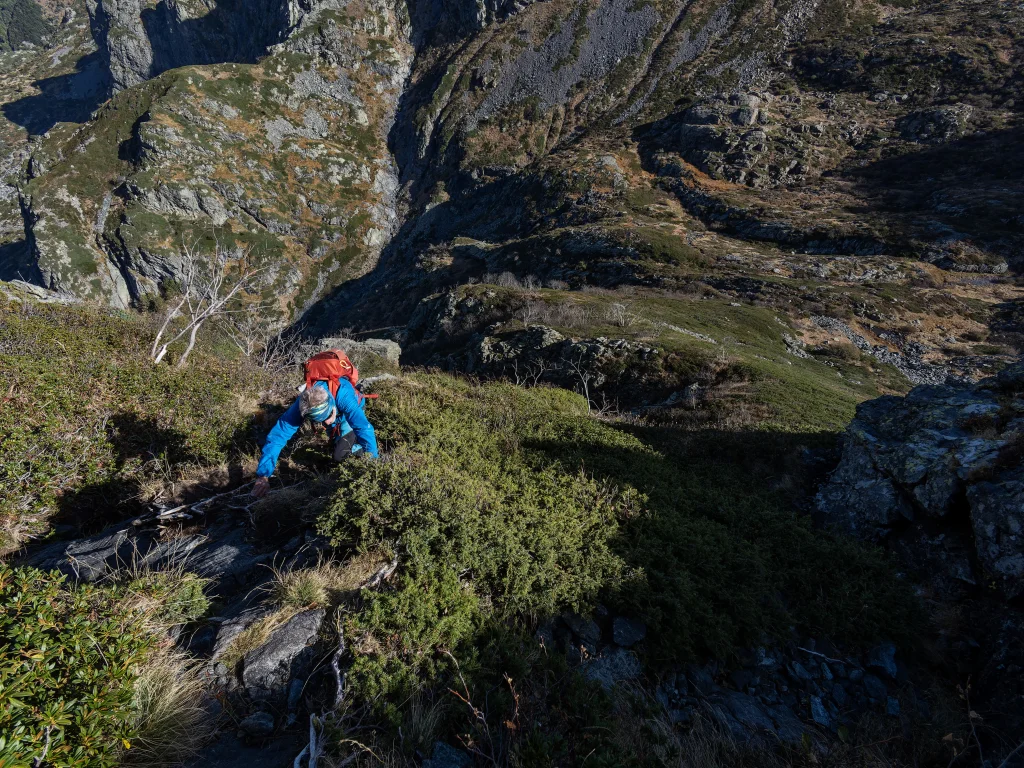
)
(326, 584)
(171, 720)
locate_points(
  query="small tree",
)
(204, 294)
(579, 368)
(270, 349)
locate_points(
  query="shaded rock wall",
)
(944, 461)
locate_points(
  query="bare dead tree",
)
(529, 375)
(528, 313)
(584, 374)
(608, 408)
(268, 348)
(205, 293)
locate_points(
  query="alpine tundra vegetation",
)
(689, 332)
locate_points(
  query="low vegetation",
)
(507, 506)
(21, 21)
(86, 421)
(84, 682)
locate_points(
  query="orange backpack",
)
(332, 366)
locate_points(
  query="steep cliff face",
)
(140, 40)
(284, 163)
(59, 78)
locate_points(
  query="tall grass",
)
(170, 719)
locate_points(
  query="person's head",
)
(315, 403)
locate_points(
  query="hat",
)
(321, 411)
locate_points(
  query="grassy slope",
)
(86, 421)
(505, 505)
(508, 505)
(761, 382)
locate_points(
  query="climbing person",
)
(329, 397)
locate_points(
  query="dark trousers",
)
(343, 446)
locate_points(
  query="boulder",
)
(258, 725)
(937, 125)
(819, 714)
(287, 653)
(384, 348)
(584, 628)
(883, 658)
(875, 688)
(920, 470)
(628, 632)
(613, 667)
(447, 756)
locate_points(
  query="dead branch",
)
(203, 295)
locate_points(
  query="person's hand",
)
(260, 488)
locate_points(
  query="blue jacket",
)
(350, 418)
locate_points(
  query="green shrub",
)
(69, 658)
(21, 21)
(508, 505)
(85, 418)
(481, 533)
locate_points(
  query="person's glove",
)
(260, 487)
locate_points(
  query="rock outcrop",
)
(287, 655)
(945, 466)
(283, 162)
(140, 40)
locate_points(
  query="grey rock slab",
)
(258, 724)
(85, 559)
(447, 756)
(628, 632)
(229, 558)
(93, 558)
(267, 670)
(612, 668)
(751, 721)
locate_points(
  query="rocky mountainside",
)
(852, 163)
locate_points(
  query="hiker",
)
(328, 397)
